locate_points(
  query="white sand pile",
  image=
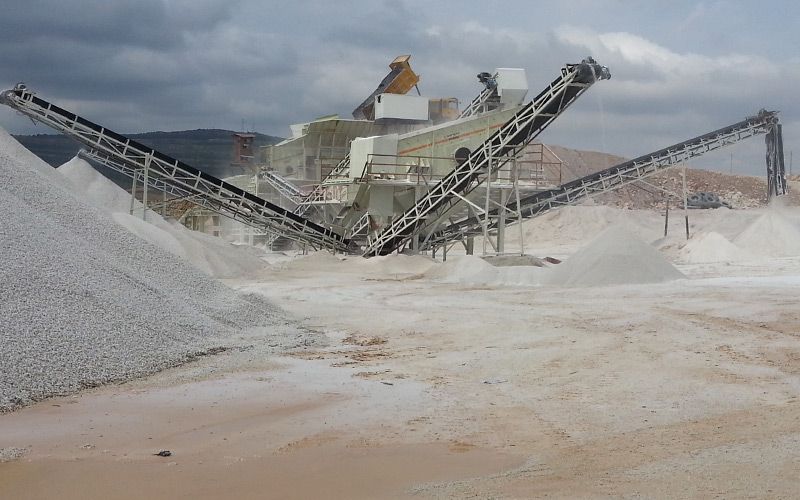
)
(472, 270)
(214, 256)
(85, 302)
(321, 260)
(771, 235)
(561, 232)
(395, 264)
(711, 247)
(615, 257)
(465, 269)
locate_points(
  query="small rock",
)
(163, 453)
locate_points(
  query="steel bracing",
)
(282, 186)
(497, 150)
(776, 169)
(130, 157)
(479, 102)
(765, 122)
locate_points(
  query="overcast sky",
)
(679, 68)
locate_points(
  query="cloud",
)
(177, 64)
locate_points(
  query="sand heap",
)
(472, 270)
(211, 255)
(615, 257)
(711, 247)
(771, 235)
(85, 302)
(465, 269)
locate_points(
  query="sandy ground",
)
(433, 390)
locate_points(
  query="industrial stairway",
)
(765, 122)
(497, 150)
(173, 176)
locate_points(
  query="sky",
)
(679, 68)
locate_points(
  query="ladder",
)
(765, 122)
(131, 158)
(497, 150)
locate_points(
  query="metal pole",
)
(133, 192)
(486, 205)
(501, 224)
(666, 219)
(685, 203)
(145, 185)
(519, 214)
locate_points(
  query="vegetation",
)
(209, 150)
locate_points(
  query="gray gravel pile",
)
(84, 302)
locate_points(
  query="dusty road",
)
(432, 390)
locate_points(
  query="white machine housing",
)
(401, 107)
(512, 85)
(380, 150)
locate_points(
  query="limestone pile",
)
(615, 257)
(211, 255)
(771, 235)
(85, 302)
(711, 247)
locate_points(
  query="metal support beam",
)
(503, 145)
(624, 174)
(129, 156)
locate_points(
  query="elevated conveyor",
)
(497, 150)
(130, 157)
(765, 122)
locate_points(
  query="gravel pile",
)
(211, 255)
(616, 257)
(85, 302)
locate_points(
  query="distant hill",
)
(209, 150)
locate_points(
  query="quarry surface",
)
(640, 366)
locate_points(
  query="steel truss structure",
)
(776, 168)
(161, 171)
(479, 102)
(765, 122)
(282, 186)
(496, 151)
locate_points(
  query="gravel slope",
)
(85, 302)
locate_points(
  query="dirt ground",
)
(432, 390)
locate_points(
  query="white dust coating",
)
(711, 247)
(472, 270)
(615, 257)
(773, 234)
(214, 256)
(85, 302)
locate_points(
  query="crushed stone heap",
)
(615, 257)
(85, 302)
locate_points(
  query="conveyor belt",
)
(224, 198)
(766, 122)
(504, 144)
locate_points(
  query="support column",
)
(145, 185)
(133, 192)
(501, 223)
